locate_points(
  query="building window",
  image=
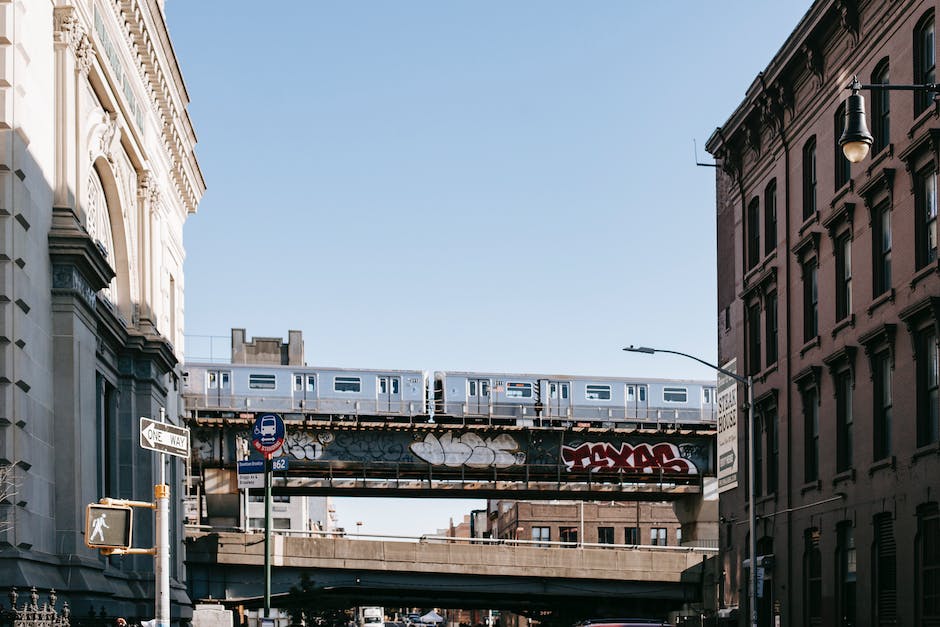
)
(810, 301)
(770, 328)
(925, 204)
(880, 109)
(810, 435)
(844, 420)
(597, 392)
(631, 535)
(515, 389)
(843, 166)
(753, 338)
(347, 384)
(675, 395)
(846, 572)
(885, 572)
(925, 62)
(770, 217)
(773, 450)
(928, 557)
(262, 381)
(753, 233)
(812, 577)
(760, 428)
(928, 412)
(881, 375)
(658, 536)
(568, 534)
(843, 276)
(541, 534)
(809, 179)
(605, 535)
(881, 249)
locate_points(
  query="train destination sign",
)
(164, 438)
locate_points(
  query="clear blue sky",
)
(482, 185)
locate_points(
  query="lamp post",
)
(856, 139)
(748, 382)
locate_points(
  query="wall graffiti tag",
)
(644, 457)
(469, 450)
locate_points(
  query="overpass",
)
(341, 572)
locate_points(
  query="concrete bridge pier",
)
(698, 515)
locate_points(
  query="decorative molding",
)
(876, 338)
(808, 377)
(848, 17)
(928, 141)
(839, 359)
(842, 215)
(883, 181)
(814, 61)
(809, 242)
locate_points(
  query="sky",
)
(494, 186)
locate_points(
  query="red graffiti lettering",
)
(601, 456)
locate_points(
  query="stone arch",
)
(104, 222)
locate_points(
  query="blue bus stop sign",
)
(267, 435)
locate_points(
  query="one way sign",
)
(164, 438)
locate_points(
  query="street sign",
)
(250, 473)
(108, 526)
(250, 466)
(280, 464)
(164, 438)
(267, 436)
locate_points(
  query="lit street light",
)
(751, 515)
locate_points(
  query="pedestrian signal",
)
(108, 526)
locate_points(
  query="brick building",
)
(829, 296)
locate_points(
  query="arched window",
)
(843, 167)
(770, 217)
(925, 61)
(753, 233)
(98, 225)
(880, 109)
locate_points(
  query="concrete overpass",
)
(578, 581)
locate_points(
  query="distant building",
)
(98, 175)
(829, 296)
(591, 522)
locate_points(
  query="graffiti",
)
(469, 450)
(601, 456)
(303, 445)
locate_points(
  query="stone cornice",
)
(148, 41)
(69, 243)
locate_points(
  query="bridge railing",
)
(195, 530)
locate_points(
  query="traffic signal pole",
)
(161, 494)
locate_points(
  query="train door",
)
(559, 399)
(304, 390)
(389, 395)
(478, 396)
(219, 388)
(637, 401)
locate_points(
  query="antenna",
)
(699, 163)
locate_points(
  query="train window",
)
(473, 387)
(553, 391)
(311, 382)
(642, 392)
(298, 382)
(708, 395)
(516, 389)
(484, 388)
(675, 395)
(225, 377)
(213, 381)
(260, 381)
(347, 384)
(564, 390)
(383, 385)
(597, 392)
(395, 384)
(631, 394)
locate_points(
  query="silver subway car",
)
(327, 391)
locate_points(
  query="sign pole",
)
(267, 535)
(161, 494)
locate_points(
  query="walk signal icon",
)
(108, 526)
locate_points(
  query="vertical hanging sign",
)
(727, 429)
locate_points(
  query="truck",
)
(371, 616)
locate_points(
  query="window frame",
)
(770, 217)
(880, 108)
(810, 299)
(927, 376)
(347, 382)
(882, 243)
(810, 398)
(810, 180)
(844, 385)
(596, 391)
(771, 328)
(518, 389)
(843, 167)
(925, 208)
(674, 390)
(262, 381)
(753, 233)
(843, 254)
(925, 61)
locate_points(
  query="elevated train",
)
(447, 397)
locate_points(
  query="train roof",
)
(578, 377)
(295, 368)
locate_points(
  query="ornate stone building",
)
(97, 176)
(829, 296)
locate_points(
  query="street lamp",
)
(856, 139)
(748, 382)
